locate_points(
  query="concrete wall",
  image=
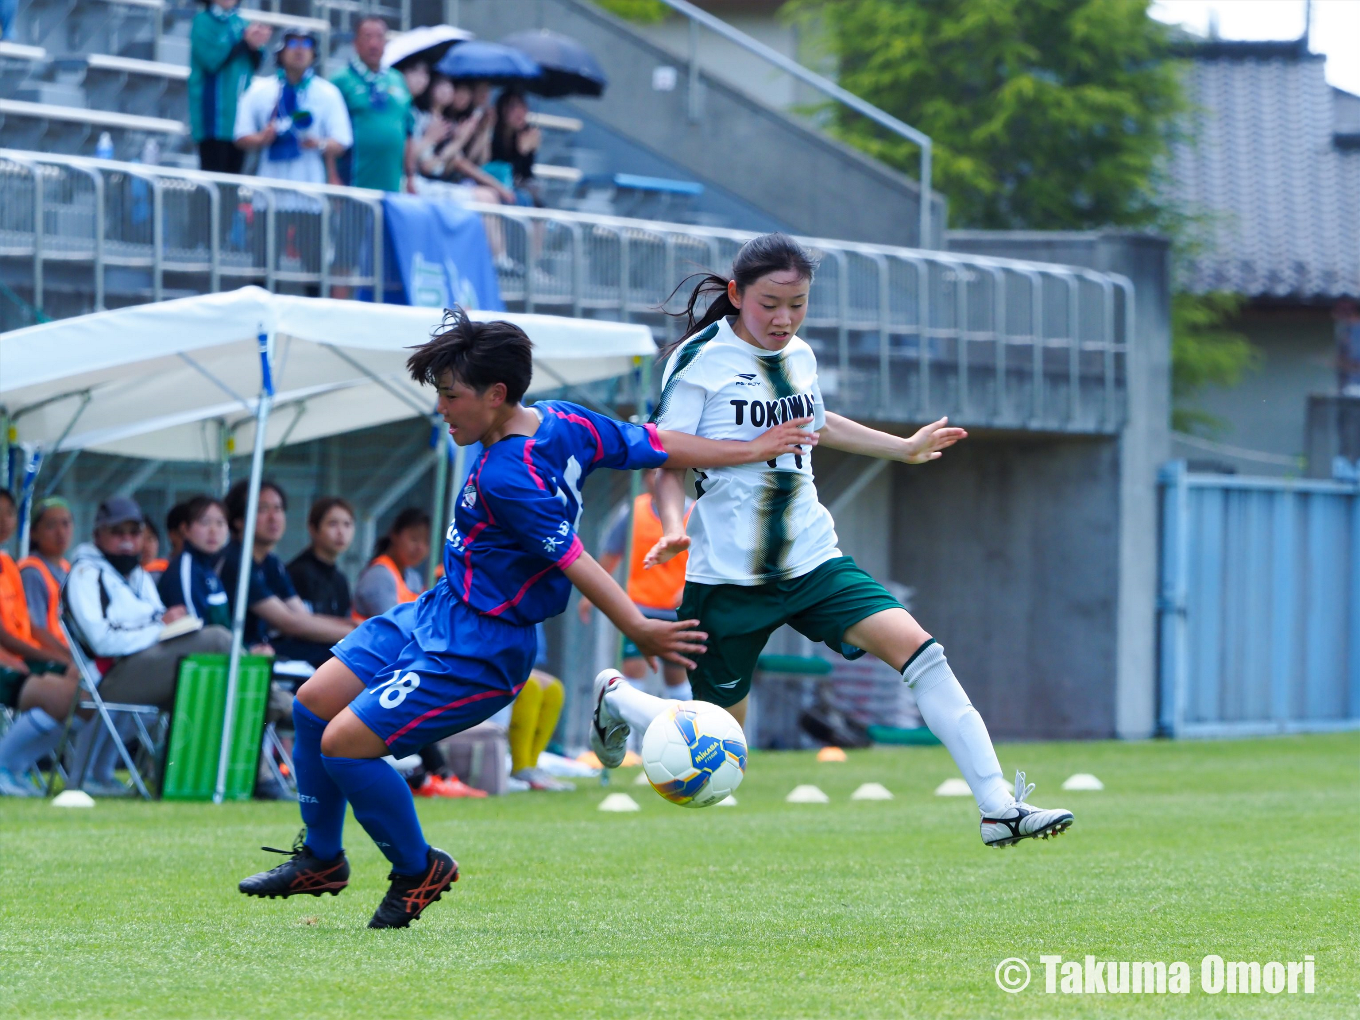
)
(1118, 565)
(764, 157)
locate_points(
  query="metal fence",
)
(901, 334)
(1260, 605)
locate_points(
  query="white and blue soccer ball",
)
(694, 754)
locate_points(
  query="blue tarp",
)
(437, 256)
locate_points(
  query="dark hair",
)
(325, 505)
(371, 17)
(768, 253)
(193, 510)
(148, 526)
(237, 495)
(479, 354)
(178, 515)
(411, 517)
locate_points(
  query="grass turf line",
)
(1247, 849)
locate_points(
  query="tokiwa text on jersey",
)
(769, 413)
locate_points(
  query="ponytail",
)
(768, 253)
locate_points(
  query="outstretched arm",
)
(684, 450)
(851, 437)
(668, 640)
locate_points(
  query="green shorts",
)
(11, 680)
(739, 619)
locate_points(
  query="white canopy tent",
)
(174, 380)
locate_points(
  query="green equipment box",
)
(196, 728)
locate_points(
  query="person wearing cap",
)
(381, 110)
(224, 51)
(119, 614)
(296, 119)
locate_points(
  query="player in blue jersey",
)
(463, 650)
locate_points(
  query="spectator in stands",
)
(458, 142)
(514, 146)
(318, 581)
(656, 591)
(191, 581)
(44, 571)
(272, 603)
(224, 51)
(152, 562)
(394, 575)
(174, 528)
(416, 75)
(380, 109)
(296, 119)
(120, 616)
(34, 676)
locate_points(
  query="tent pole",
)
(438, 523)
(31, 470)
(238, 622)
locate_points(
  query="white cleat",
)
(1021, 821)
(608, 733)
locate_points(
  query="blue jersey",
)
(514, 529)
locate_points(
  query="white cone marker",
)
(872, 791)
(619, 802)
(953, 788)
(73, 798)
(728, 801)
(642, 779)
(807, 794)
(1082, 781)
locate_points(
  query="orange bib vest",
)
(53, 622)
(662, 586)
(404, 594)
(13, 605)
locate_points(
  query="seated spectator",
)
(152, 562)
(380, 110)
(514, 146)
(272, 603)
(394, 575)
(34, 679)
(120, 615)
(318, 581)
(296, 119)
(174, 524)
(416, 75)
(458, 142)
(44, 571)
(191, 582)
(224, 51)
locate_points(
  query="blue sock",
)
(384, 806)
(322, 803)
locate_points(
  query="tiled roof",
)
(1272, 164)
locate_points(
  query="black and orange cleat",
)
(303, 872)
(408, 895)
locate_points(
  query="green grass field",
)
(1247, 849)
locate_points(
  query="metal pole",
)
(31, 470)
(238, 622)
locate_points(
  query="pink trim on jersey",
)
(572, 554)
(444, 708)
(524, 590)
(654, 437)
(577, 419)
(529, 463)
(467, 558)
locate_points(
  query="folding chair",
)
(277, 759)
(105, 711)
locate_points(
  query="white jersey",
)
(754, 523)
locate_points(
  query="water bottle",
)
(151, 152)
(103, 148)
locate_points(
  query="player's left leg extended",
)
(894, 636)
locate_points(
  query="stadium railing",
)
(902, 334)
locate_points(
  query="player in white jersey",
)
(763, 549)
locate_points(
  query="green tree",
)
(644, 12)
(1047, 114)
(1205, 351)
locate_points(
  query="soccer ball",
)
(694, 754)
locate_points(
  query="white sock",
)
(636, 708)
(951, 717)
(680, 692)
(34, 734)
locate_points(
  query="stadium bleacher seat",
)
(147, 88)
(17, 64)
(49, 128)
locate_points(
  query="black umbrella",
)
(569, 69)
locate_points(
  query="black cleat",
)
(409, 895)
(303, 872)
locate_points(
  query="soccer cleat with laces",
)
(608, 733)
(303, 872)
(1022, 821)
(408, 895)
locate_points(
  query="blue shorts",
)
(434, 667)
